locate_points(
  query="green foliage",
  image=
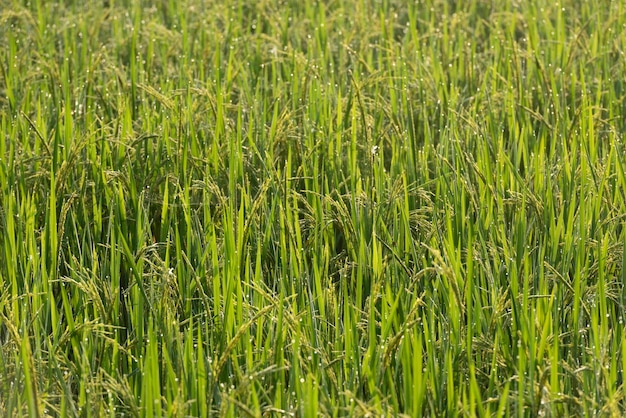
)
(302, 208)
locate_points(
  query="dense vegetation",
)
(302, 208)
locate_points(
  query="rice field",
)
(309, 208)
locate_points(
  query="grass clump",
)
(310, 208)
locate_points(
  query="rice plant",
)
(312, 208)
